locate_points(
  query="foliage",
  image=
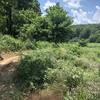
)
(80, 94)
(32, 67)
(83, 43)
(68, 69)
(47, 60)
(95, 37)
(37, 30)
(29, 4)
(54, 27)
(88, 31)
(85, 33)
(43, 44)
(69, 77)
(8, 43)
(22, 18)
(59, 24)
(8, 10)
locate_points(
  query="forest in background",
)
(24, 19)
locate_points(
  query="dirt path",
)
(7, 68)
(8, 59)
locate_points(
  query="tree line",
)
(23, 19)
(89, 32)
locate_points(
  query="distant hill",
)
(86, 31)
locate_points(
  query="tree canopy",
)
(54, 26)
(23, 18)
(10, 8)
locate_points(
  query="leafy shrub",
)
(28, 45)
(80, 94)
(32, 67)
(74, 78)
(43, 44)
(8, 43)
(70, 77)
(83, 63)
(82, 43)
(75, 50)
(95, 37)
(72, 49)
(75, 39)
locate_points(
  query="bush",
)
(82, 93)
(75, 39)
(82, 43)
(70, 77)
(74, 78)
(8, 43)
(32, 67)
(44, 44)
(95, 37)
(28, 45)
(72, 49)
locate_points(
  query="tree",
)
(9, 10)
(21, 18)
(55, 26)
(37, 30)
(29, 4)
(86, 32)
(78, 30)
(95, 37)
(6, 11)
(59, 24)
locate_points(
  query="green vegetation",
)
(8, 43)
(90, 32)
(68, 68)
(56, 55)
(83, 43)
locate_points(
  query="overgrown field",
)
(56, 58)
(66, 69)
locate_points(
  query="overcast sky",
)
(83, 11)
